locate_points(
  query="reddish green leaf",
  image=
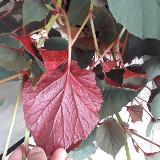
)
(53, 59)
(63, 109)
(136, 112)
(110, 137)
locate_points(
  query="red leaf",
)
(63, 109)
(27, 43)
(131, 74)
(108, 66)
(136, 112)
(52, 59)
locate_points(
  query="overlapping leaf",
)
(53, 59)
(110, 137)
(114, 98)
(86, 149)
(63, 107)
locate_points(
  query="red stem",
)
(136, 134)
(144, 109)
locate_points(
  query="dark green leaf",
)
(105, 24)
(110, 137)
(9, 41)
(12, 60)
(78, 10)
(114, 98)
(54, 33)
(155, 106)
(33, 10)
(140, 17)
(137, 47)
(8, 24)
(152, 68)
(82, 57)
(56, 43)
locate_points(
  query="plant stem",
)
(125, 137)
(136, 134)
(80, 29)
(69, 38)
(26, 143)
(18, 75)
(12, 122)
(48, 27)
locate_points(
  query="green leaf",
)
(155, 156)
(33, 10)
(56, 43)
(152, 68)
(12, 60)
(114, 98)
(155, 106)
(78, 11)
(110, 137)
(9, 41)
(86, 149)
(4, 73)
(82, 57)
(140, 17)
(105, 25)
(8, 24)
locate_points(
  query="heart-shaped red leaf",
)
(63, 109)
(52, 59)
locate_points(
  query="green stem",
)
(94, 36)
(48, 27)
(69, 38)
(80, 29)
(26, 144)
(12, 122)
(125, 137)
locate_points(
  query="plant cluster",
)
(75, 62)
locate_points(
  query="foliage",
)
(79, 70)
